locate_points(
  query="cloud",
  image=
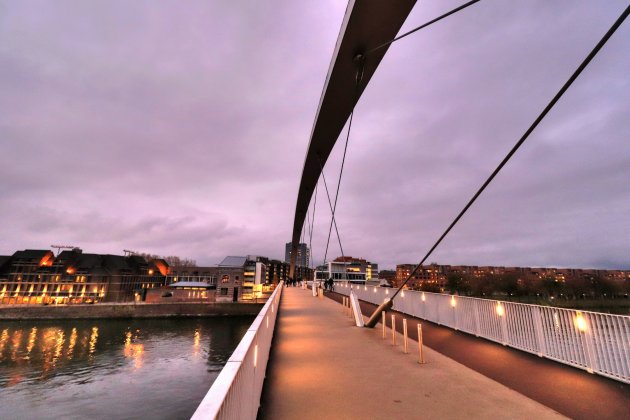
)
(183, 131)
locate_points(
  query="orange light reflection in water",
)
(71, 344)
(133, 351)
(15, 343)
(31, 341)
(4, 337)
(93, 340)
(196, 343)
(58, 345)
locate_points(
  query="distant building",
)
(436, 275)
(240, 278)
(183, 291)
(303, 257)
(356, 270)
(38, 277)
(387, 277)
(431, 274)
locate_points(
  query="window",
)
(224, 291)
(225, 279)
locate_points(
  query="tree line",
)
(583, 287)
(173, 261)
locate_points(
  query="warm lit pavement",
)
(570, 391)
(322, 367)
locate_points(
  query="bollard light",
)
(393, 330)
(384, 325)
(453, 301)
(500, 309)
(405, 336)
(420, 351)
(424, 298)
(580, 322)
(364, 287)
(387, 291)
(374, 289)
(402, 293)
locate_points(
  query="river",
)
(114, 369)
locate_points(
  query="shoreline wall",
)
(128, 310)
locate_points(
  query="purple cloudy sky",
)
(181, 128)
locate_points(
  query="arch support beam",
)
(366, 25)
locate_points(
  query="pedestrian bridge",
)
(486, 359)
(322, 366)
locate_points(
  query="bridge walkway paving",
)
(570, 391)
(322, 367)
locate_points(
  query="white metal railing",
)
(596, 342)
(235, 394)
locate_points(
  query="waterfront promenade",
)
(322, 367)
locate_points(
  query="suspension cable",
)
(457, 9)
(312, 225)
(334, 208)
(359, 60)
(518, 144)
(333, 220)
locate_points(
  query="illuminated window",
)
(225, 279)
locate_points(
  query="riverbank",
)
(128, 310)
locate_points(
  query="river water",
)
(112, 369)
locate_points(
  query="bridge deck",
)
(322, 368)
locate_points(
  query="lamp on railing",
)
(500, 309)
(580, 322)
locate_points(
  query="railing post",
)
(405, 336)
(476, 317)
(587, 339)
(393, 330)
(538, 328)
(420, 344)
(384, 323)
(504, 330)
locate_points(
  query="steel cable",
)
(457, 9)
(518, 144)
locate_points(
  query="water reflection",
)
(112, 366)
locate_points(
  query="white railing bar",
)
(235, 394)
(592, 341)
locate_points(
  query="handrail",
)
(595, 342)
(235, 394)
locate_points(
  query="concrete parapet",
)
(127, 310)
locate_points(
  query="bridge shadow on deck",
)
(570, 391)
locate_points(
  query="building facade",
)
(433, 275)
(303, 258)
(355, 270)
(38, 277)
